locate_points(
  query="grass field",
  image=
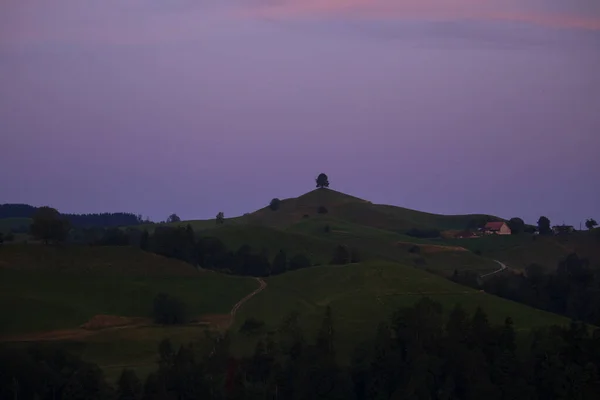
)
(362, 295)
(42, 301)
(34, 301)
(44, 288)
(90, 261)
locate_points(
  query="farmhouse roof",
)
(494, 226)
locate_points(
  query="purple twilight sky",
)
(197, 106)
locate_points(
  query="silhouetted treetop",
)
(322, 181)
(173, 218)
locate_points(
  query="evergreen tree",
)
(145, 240)
(129, 386)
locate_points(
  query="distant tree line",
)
(208, 252)
(101, 220)
(418, 354)
(183, 244)
(180, 243)
(211, 253)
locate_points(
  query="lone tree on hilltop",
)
(590, 223)
(173, 218)
(49, 226)
(544, 225)
(322, 181)
(275, 204)
(220, 218)
(516, 225)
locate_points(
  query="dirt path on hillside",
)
(82, 333)
(240, 303)
(502, 268)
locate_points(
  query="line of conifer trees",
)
(417, 354)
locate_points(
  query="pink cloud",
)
(133, 22)
(508, 10)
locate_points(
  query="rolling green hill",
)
(357, 211)
(362, 295)
(46, 293)
(342, 207)
(45, 288)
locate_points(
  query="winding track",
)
(240, 303)
(502, 268)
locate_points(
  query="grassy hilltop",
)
(347, 208)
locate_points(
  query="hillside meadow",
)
(46, 288)
(47, 293)
(362, 295)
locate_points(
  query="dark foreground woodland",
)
(418, 354)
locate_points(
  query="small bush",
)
(168, 310)
(478, 252)
(251, 325)
(305, 216)
(275, 204)
(327, 229)
(414, 249)
(322, 210)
